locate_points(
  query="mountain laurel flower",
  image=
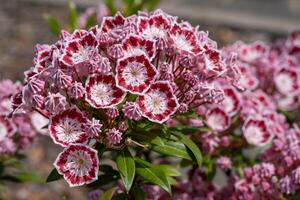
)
(217, 119)
(92, 127)
(97, 85)
(102, 92)
(132, 111)
(256, 131)
(78, 164)
(159, 103)
(112, 113)
(224, 163)
(113, 136)
(55, 102)
(67, 127)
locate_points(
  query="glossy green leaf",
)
(53, 24)
(126, 167)
(168, 170)
(191, 145)
(156, 176)
(53, 176)
(107, 195)
(172, 149)
(142, 162)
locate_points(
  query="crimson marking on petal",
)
(217, 119)
(135, 45)
(7, 129)
(78, 164)
(135, 74)
(185, 39)
(154, 27)
(287, 81)
(256, 131)
(102, 92)
(66, 127)
(159, 102)
(231, 101)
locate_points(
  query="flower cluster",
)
(17, 131)
(248, 118)
(272, 67)
(95, 85)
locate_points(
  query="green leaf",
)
(172, 149)
(29, 177)
(53, 24)
(108, 194)
(23, 177)
(171, 180)
(142, 162)
(168, 170)
(126, 167)
(191, 145)
(156, 176)
(152, 4)
(53, 176)
(138, 193)
(72, 16)
(121, 196)
(91, 21)
(163, 145)
(111, 6)
(106, 176)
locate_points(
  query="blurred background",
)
(22, 25)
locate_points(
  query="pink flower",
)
(115, 52)
(7, 129)
(132, 111)
(224, 163)
(135, 45)
(79, 51)
(159, 103)
(213, 62)
(287, 81)
(113, 136)
(76, 90)
(67, 127)
(102, 92)
(7, 146)
(135, 74)
(184, 39)
(293, 42)
(231, 102)
(116, 26)
(78, 164)
(256, 131)
(39, 123)
(55, 103)
(154, 27)
(93, 127)
(36, 85)
(252, 51)
(112, 113)
(217, 119)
